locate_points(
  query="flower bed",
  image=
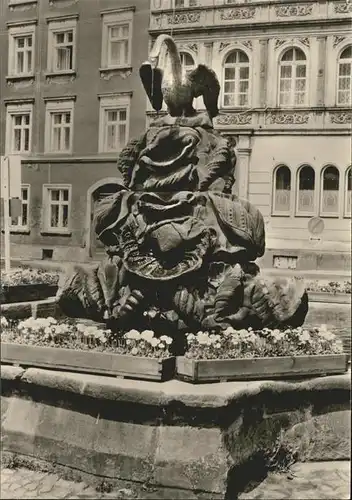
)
(248, 354)
(25, 284)
(47, 343)
(332, 287)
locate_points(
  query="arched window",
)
(282, 191)
(293, 78)
(348, 193)
(344, 77)
(306, 191)
(187, 62)
(330, 191)
(236, 79)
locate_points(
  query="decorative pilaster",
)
(243, 152)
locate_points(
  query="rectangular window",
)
(114, 123)
(21, 50)
(117, 38)
(59, 129)
(19, 128)
(57, 207)
(62, 45)
(22, 222)
(185, 3)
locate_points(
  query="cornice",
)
(251, 26)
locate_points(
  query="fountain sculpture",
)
(180, 246)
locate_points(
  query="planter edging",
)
(218, 370)
(93, 362)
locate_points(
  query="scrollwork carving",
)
(237, 13)
(224, 45)
(293, 10)
(193, 47)
(294, 118)
(342, 118)
(337, 40)
(184, 18)
(343, 8)
(234, 119)
(292, 41)
(107, 74)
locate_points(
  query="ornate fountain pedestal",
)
(161, 440)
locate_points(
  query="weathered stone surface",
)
(167, 435)
(9, 372)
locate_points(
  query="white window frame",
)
(336, 214)
(274, 211)
(47, 228)
(186, 4)
(112, 103)
(13, 110)
(293, 64)
(109, 20)
(298, 212)
(346, 213)
(339, 61)
(23, 30)
(56, 26)
(20, 227)
(55, 106)
(236, 65)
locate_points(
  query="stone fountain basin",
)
(183, 440)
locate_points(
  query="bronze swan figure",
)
(175, 88)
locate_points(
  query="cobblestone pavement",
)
(308, 481)
(316, 480)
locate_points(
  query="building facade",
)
(285, 73)
(71, 98)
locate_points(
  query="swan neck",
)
(174, 55)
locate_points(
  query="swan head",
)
(153, 61)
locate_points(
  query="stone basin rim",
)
(208, 395)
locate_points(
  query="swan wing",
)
(151, 79)
(205, 82)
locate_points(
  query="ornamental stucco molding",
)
(234, 119)
(237, 13)
(337, 40)
(292, 41)
(294, 10)
(193, 47)
(342, 118)
(245, 43)
(184, 17)
(343, 7)
(294, 118)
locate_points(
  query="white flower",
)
(229, 331)
(128, 342)
(190, 337)
(147, 334)
(166, 339)
(132, 334)
(217, 345)
(161, 346)
(47, 330)
(4, 321)
(134, 351)
(154, 342)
